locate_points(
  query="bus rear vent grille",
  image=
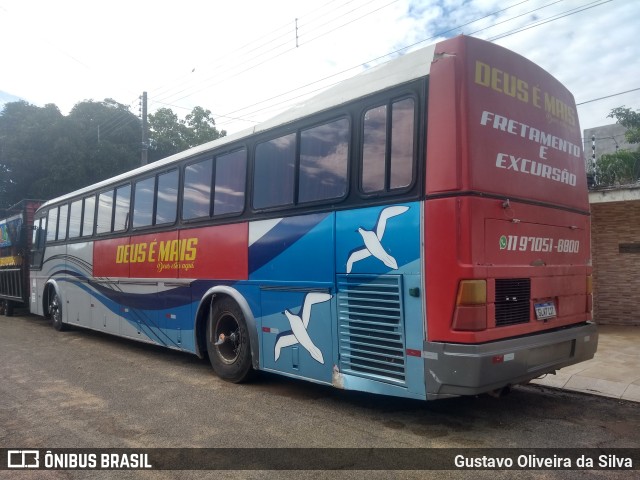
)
(370, 327)
(512, 301)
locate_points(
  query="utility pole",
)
(145, 135)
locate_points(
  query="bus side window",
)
(231, 175)
(274, 172)
(121, 214)
(89, 216)
(105, 212)
(324, 159)
(402, 143)
(37, 242)
(196, 197)
(167, 198)
(52, 223)
(143, 203)
(388, 147)
(75, 219)
(63, 215)
(374, 149)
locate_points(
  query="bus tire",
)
(55, 312)
(231, 357)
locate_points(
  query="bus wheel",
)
(55, 312)
(228, 342)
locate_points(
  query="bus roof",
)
(403, 69)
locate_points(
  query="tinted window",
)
(52, 225)
(143, 203)
(388, 147)
(121, 216)
(34, 233)
(37, 245)
(402, 136)
(374, 149)
(324, 153)
(231, 174)
(63, 215)
(274, 172)
(105, 208)
(196, 202)
(89, 216)
(167, 197)
(75, 219)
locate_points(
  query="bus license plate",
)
(545, 310)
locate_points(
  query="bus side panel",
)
(292, 261)
(380, 314)
(320, 319)
(443, 269)
(77, 287)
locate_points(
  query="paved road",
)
(86, 389)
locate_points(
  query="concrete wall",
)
(609, 138)
(616, 275)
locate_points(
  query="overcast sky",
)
(239, 59)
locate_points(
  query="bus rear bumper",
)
(460, 369)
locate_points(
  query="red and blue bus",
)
(420, 230)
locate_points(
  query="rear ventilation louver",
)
(370, 327)
(513, 299)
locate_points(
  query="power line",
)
(218, 79)
(556, 17)
(253, 112)
(261, 41)
(608, 96)
(551, 19)
(513, 18)
(220, 76)
(375, 60)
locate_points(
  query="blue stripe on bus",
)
(282, 236)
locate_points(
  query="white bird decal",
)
(299, 324)
(373, 238)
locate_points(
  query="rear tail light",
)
(471, 306)
(589, 293)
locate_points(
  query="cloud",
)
(247, 65)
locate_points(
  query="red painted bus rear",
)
(507, 254)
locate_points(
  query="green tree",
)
(623, 166)
(166, 134)
(44, 154)
(169, 135)
(630, 120)
(619, 168)
(28, 135)
(201, 127)
(107, 139)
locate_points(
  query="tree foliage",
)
(168, 134)
(619, 168)
(630, 120)
(44, 154)
(623, 166)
